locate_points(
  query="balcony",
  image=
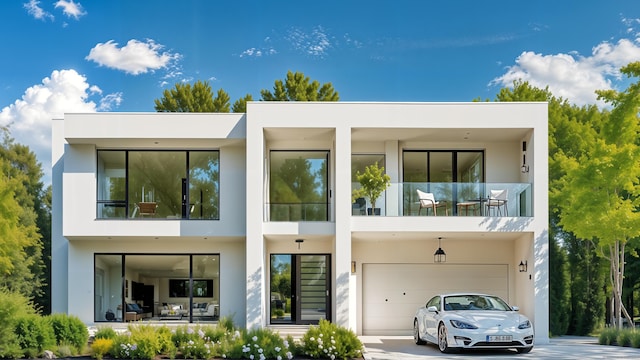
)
(454, 199)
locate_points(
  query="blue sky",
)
(85, 56)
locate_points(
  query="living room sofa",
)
(134, 312)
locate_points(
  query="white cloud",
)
(70, 8)
(29, 118)
(571, 76)
(316, 43)
(34, 9)
(135, 58)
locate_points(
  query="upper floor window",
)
(299, 186)
(158, 184)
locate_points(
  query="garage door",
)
(391, 293)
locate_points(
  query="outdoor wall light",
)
(525, 167)
(299, 241)
(523, 266)
(439, 256)
(353, 267)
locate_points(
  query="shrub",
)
(105, 332)
(607, 336)
(165, 342)
(123, 348)
(101, 347)
(329, 340)
(69, 329)
(257, 344)
(226, 322)
(634, 341)
(65, 351)
(35, 334)
(145, 339)
(12, 306)
(624, 337)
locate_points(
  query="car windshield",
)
(475, 302)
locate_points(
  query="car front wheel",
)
(443, 345)
(416, 333)
(524, 350)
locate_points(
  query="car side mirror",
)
(432, 309)
(515, 308)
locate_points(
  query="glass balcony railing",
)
(297, 211)
(450, 199)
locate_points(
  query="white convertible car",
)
(472, 321)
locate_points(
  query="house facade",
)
(193, 216)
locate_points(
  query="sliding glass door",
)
(451, 175)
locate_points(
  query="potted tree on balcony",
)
(373, 182)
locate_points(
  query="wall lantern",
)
(525, 167)
(353, 267)
(523, 266)
(439, 256)
(299, 241)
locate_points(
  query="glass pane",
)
(469, 175)
(108, 288)
(298, 186)
(358, 165)
(111, 184)
(155, 183)
(204, 181)
(414, 167)
(313, 287)
(280, 293)
(206, 274)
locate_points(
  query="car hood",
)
(489, 319)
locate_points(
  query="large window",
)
(162, 287)
(158, 184)
(451, 175)
(298, 186)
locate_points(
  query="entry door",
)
(300, 288)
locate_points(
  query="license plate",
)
(499, 338)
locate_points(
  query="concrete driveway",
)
(566, 347)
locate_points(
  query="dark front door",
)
(300, 288)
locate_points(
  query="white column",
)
(344, 297)
(392, 169)
(255, 257)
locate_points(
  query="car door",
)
(431, 318)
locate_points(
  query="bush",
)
(146, 340)
(105, 332)
(69, 329)
(12, 306)
(634, 341)
(328, 340)
(101, 347)
(608, 336)
(624, 337)
(35, 334)
(257, 344)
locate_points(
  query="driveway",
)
(565, 347)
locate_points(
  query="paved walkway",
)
(565, 347)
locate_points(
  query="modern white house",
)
(187, 217)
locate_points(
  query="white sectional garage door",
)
(391, 293)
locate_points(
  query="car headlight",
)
(524, 325)
(462, 325)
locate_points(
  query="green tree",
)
(599, 195)
(559, 138)
(20, 248)
(240, 105)
(297, 87)
(189, 98)
(221, 102)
